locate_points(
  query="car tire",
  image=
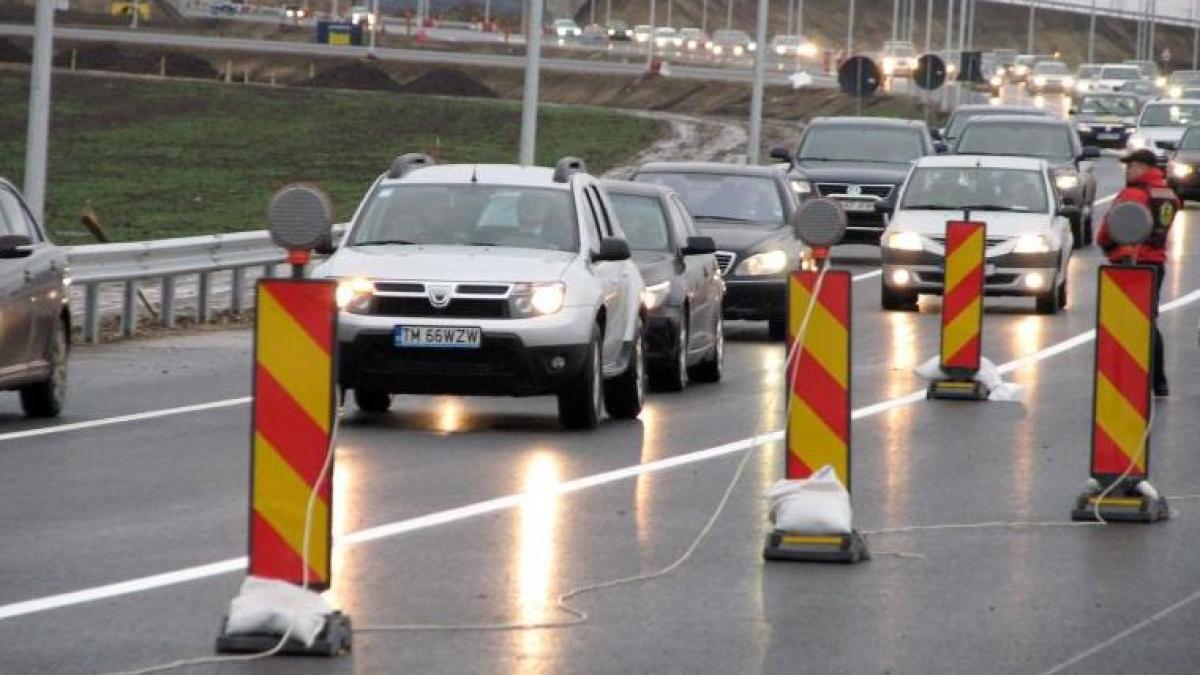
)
(897, 301)
(710, 369)
(372, 400)
(48, 397)
(1089, 234)
(581, 402)
(625, 393)
(1063, 294)
(777, 329)
(1077, 232)
(1049, 302)
(673, 375)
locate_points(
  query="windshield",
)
(1088, 72)
(851, 143)
(469, 215)
(1175, 115)
(1051, 68)
(900, 50)
(785, 40)
(1050, 141)
(642, 220)
(960, 118)
(1191, 139)
(1185, 77)
(1120, 73)
(710, 196)
(1123, 106)
(979, 188)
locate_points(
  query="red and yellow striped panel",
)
(962, 298)
(818, 429)
(293, 414)
(1124, 344)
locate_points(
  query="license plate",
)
(1108, 137)
(858, 207)
(437, 337)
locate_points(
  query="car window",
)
(1050, 67)
(1124, 106)
(468, 215)
(13, 218)
(1120, 73)
(1088, 72)
(957, 187)
(1173, 115)
(603, 216)
(959, 119)
(1185, 77)
(755, 200)
(643, 221)
(854, 143)
(1049, 141)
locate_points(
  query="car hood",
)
(1187, 156)
(1161, 133)
(1104, 119)
(933, 223)
(447, 263)
(738, 237)
(655, 266)
(852, 172)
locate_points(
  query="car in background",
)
(684, 289)
(1027, 242)
(641, 34)
(1086, 76)
(490, 280)
(964, 113)
(1050, 77)
(594, 35)
(731, 44)
(566, 28)
(898, 58)
(35, 321)
(1161, 124)
(1023, 66)
(1105, 120)
(859, 161)
(1005, 58)
(666, 37)
(1180, 82)
(1045, 138)
(792, 46)
(747, 211)
(694, 39)
(1183, 169)
(619, 31)
(1116, 77)
(1150, 71)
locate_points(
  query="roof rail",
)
(567, 167)
(407, 163)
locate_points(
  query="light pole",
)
(850, 30)
(799, 17)
(704, 16)
(1029, 36)
(373, 25)
(529, 99)
(928, 25)
(37, 135)
(670, 12)
(1195, 37)
(133, 20)
(729, 15)
(895, 17)
(949, 26)
(756, 95)
(650, 41)
(1091, 53)
(912, 20)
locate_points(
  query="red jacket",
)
(1154, 249)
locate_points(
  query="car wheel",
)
(710, 369)
(1077, 231)
(580, 403)
(48, 397)
(1050, 301)
(1063, 293)
(625, 393)
(673, 375)
(1089, 234)
(372, 400)
(777, 329)
(897, 301)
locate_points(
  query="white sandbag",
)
(269, 606)
(800, 80)
(818, 504)
(988, 374)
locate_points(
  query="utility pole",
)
(1029, 38)
(850, 31)
(1091, 53)
(912, 20)
(373, 26)
(787, 27)
(949, 26)
(799, 17)
(729, 14)
(650, 41)
(928, 25)
(971, 30)
(1195, 37)
(895, 17)
(1150, 53)
(133, 20)
(529, 99)
(670, 8)
(756, 95)
(38, 132)
(704, 16)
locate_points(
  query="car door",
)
(622, 311)
(700, 275)
(607, 275)
(47, 266)
(16, 297)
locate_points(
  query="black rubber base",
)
(958, 390)
(334, 639)
(1134, 508)
(799, 547)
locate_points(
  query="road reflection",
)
(347, 513)
(449, 416)
(903, 353)
(535, 559)
(643, 491)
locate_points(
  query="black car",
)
(35, 324)
(1184, 165)
(963, 114)
(1105, 119)
(1053, 140)
(746, 210)
(619, 30)
(861, 162)
(684, 289)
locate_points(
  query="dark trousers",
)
(1160, 374)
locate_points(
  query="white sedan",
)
(1028, 236)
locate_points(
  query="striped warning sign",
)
(818, 429)
(1124, 350)
(962, 298)
(293, 416)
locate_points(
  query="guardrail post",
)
(237, 287)
(91, 313)
(129, 309)
(166, 311)
(204, 298)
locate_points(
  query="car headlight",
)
(905, 241)
(530, 300)
(761, 264)
(655, 295)
(692, 44)
(801, 187)
(1032, 243)
(738, 51)
(781, 50)
(1068, 82)
(1138, 142)
(1021, 70)
(1067, 181)
(808, 51)
(753, 46)
(353, 295)
(717, 50)
(611, 32)
(1161, 82)
(1039, 81)
(1175, 92)
(1082, 87)
(1083, 128)
(1180, 170)
(997, 80)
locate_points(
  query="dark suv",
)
(861, 162)
(34, 319)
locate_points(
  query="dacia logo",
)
(854, 191)
(439, 295)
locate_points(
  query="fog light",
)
(900, 277)
(557, 364)
(1035, 280)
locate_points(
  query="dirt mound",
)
(356, 75)
(13, 53)
(448, 82)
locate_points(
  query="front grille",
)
(988, 242)
(725, 261)
(829, 189)
(1165, 145)
(399, 287)
(459, 308)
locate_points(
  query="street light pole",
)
(529, 99)
(799, 17)
(729, 15)
(756, 95)
(928, 25)
(373, 26)
(1195, 37)
(1029, 37)
(1091, 53)
(895, 17)
(38, 131)
(850, 31)
(949, 26)
(650, 40)
(133, 21)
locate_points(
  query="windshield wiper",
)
(728, 219)
(849, 159)
(930, 207)
(385, 242)
(987, 207)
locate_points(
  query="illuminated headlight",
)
(1068, 82)
(1032, 243)
(808, 50)
(692, 44)
(801, 187)
(1161, 82)
(1083, 128)
(997, 80)
(1035, 280)
(1067, 181)
(738, 51)
(537, 299)
(781, 50)
(753, 46)
(718, 50)
(761, 264)
(1179, 170)
(905, 241)
(611, 32)
(1039, 81)
(1021, 70)
(1138, 142)
(900, 277)
(1082, 87)
(1175, 92)
(708, 45)
(654, 296)
(951, 68)
(353, 295)
(889, 66)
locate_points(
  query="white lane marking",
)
(430, 520)
(867, 275)
(135, 417)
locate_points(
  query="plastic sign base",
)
(333, 640)
(797, 546)
(958, 390)
(1132, 508)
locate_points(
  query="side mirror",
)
(1068, 211)
(781, 154)
(1090, 152)
(15, 246)
(612, 250)
(937, 134)
(700, 246)
(940, 147)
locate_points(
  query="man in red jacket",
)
(1146, 185)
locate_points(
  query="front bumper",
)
(1105, 137)
(755, 299)
(1006, 273)
(1186, 188)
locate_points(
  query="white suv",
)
(490, 280)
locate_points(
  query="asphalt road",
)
(458, 511)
